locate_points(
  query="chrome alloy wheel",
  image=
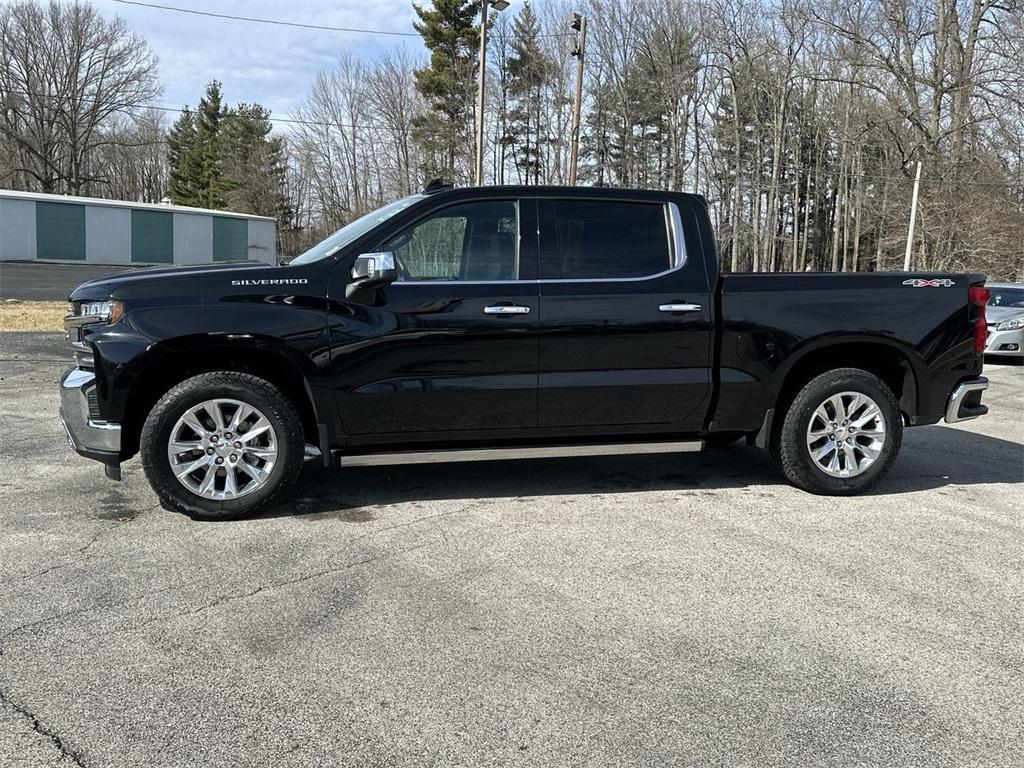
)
(846, 434)
(222, 449)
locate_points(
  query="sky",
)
(269, 64)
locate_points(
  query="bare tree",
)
(394, 100)
(132, 163)
(65, 73)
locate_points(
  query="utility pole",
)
(913, 219)
(579, 25)
(499, 5)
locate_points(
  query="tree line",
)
(801, 121)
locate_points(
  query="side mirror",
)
(375, 269)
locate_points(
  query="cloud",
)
(269, 64)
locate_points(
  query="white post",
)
(577, 103)
(481, 81)
(913, 219)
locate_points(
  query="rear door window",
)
(604, 239)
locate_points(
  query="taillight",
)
(977, 295)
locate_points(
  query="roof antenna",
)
(437, 185)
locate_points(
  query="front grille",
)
(73, 325)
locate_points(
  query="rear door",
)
(449, 350)
(625, 317)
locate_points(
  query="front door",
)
(626, 318)
(451, 346)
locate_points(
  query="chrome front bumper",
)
(95, 439)
(965, 401)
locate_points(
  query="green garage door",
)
(230, 239)
(60, 231)
(153, 237)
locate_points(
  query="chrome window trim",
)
(677, 243)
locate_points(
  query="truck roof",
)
(537, 190)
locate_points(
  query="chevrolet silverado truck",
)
(499, 317)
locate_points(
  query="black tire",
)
(252, 390)
(789, 445)
(719, 440)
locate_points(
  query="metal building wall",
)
(262, 240)
(193, 238)
(17, 229)
(127, 234)
(108, 235)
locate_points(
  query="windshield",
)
(1006, 297)
(354, 230)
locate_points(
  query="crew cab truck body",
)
(510, 316)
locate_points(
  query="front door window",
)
(470, 242)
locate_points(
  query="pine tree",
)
(253, 163)
(449, 32)
(194, 153)
(206, 161)
(528, 72)
(227, 158)
(180, 145)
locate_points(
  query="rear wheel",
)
(220, 445)
(840, 434)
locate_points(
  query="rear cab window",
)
(606, 239)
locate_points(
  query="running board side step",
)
(506, 454)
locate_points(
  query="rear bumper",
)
(965, 401)
(90, 437)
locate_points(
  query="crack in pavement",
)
(265, 587)
(73, 754)
(66, 563)
(224, 599)
(77, 611)
(82, 549)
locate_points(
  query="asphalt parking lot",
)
(674, 609)
(44, 281)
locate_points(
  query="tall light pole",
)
(498, 5)
(579, 24)
(913, 219)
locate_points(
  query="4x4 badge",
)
(917, 282)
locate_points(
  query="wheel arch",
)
(172, 361)
(890, 361)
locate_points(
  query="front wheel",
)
(840, 434)
(220, 445)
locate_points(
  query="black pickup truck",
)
(504, 317)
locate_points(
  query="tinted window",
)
(354, 230)
(1006, 297)
(607, 239)
(471, 241)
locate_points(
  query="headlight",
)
(1010, 325)
(109, 311)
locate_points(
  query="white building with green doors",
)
(57, 228)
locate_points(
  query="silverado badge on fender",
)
(288, 281)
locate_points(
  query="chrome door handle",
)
(506, 309)
(679, 308)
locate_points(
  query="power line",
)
(281, 23)
(179, 110)
(276, 22)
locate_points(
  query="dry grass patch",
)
(32, 315)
